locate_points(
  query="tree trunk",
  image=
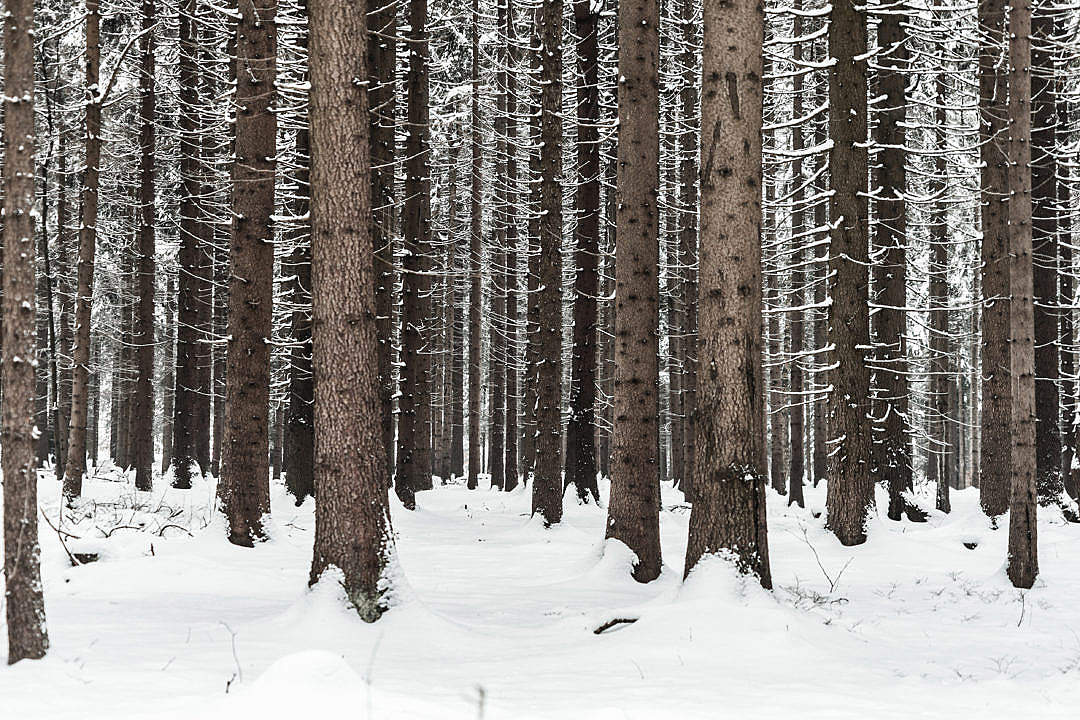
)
(850, 495)
(547, 481)
(76, 460)
(995, 454)
(25, 607)
(414, 400)
(634, 503)
(352, 521)
(511, 282)
(475, 230)
(1022, 558)
(142, 422)
(244, 484)
(729, 467)
(580, 436)
(168, 382)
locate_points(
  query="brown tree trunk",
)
(352, 521)
(189, 256)
(414, 400)
(1045, 247)
(850, 495)
(893, 442)
(580, 435)
(299, 428)
(729, 467)
(244, 484)
(75, 468)
(25, 607)
(633, 508)
(688, 242)
(168, 382)
(511, 282)
(994, 454)
(1022, 559)
(457, 345)
(142, 422)
(475, 230)
(547, 476)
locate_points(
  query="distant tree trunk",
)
(497, 323)
(729, 467)
(995, 453)
(547, 481)
(189, 255)
(382, 63)
(532, 243)
(76, 460)
(688, 241)
(457, 345)
(168, 382)
(27, 637)
(66, 301)
(244, 483)
(938, 300)
(352, 521)
(299, 428)
(850, 495)
(893, 443)
(1045, 264)
(511, 282)
(414, 400)
(580, 435)
(475, 231)
(1023, 557)
(797, 412)
(142, 422)
(633, 507)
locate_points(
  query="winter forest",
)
(540, 359)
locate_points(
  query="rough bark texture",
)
(142, 420)
(352, 521)
(729, 467)
(1023, 558)
(75, 468)
(635, 498)
(244, 486)
(892, 442)
(23, 601)
(994, 472)
(475, 230)
(510, 460)
(850, 494)
(547, 473)
(168, 382)
(580, 435)
(414, 400)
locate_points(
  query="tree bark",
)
(634, 503)
(25, 607)
(76, 460)
(729, 467)
(850, 494)
(475, 231)
(1023, 559)
(352, 521)
(244, 486)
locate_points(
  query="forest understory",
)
(496, 617)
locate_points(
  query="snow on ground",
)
(498, 615)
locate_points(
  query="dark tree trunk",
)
(580, 435)
(994, 453)
(352, 521)
(25, 607)
(633, 508)
(475, 230)
(168, 382)
(850, 495)
(1022, 558)
(75, 468)
(547, 473)
(414, 400)
(142, 421)
(729, 468)
(244, 484)
(511, 282)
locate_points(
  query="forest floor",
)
(496, 619)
